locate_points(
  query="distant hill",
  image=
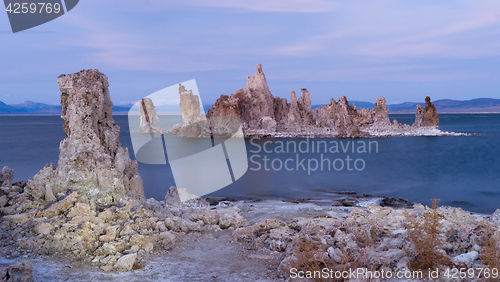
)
(35, 108)
(4, 108)
(406, 107)
(360, 104)
(480, 105)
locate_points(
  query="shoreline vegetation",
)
(89, 213)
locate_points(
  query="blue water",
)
(460, 171)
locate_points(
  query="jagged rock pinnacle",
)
(91, 159)
(263, 114)
(426, 117)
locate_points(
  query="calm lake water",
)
(461, 171)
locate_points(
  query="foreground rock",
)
(126, 262)
(91, 159)
(6, 177)
(262, 114)
(13, 198)
(19, 272)
(114, 237)
(376, 238)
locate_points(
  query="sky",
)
(403, 50)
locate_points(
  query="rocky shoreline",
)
(133, 237)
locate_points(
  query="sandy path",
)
(208, 257)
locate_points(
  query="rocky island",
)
(256, 112)
(88, 219)
(261, 114)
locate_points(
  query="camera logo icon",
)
(204, 155)
(25, 14)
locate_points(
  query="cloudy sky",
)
(403, 50)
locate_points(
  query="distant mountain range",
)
(34, 108)
(480, 105)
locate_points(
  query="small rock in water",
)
(172, 198)
(149, 117)
(396, 202)
(426, 117)
(195, 123)
(349, 202)
(344, 192)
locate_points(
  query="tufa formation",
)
(148, 117)
(262, 114)
(195, 123)
(91, 159)
(427, 117)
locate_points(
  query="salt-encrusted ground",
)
(198, 257)
(208, 256)
(261, 249)
(386, 130)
